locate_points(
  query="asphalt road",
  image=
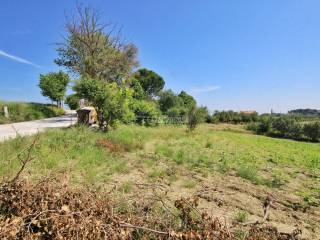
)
(32, 127)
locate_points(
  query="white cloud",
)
(17, 59)
(206, 89)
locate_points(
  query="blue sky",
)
(229, 54)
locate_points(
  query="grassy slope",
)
(262, 160)
(20, 111)
(221, 154)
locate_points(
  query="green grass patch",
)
(241, 216)
(189, 184)
(259, 159)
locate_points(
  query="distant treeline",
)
(232, 117)
(305, 112)
(286, 127)
(298, 115)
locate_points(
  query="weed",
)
(240, 234)
(209, 145)
(189, 184)
(126, 187)
(241, 216)
(179, 157)
(157, 173)
(249, 173)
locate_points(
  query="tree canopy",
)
(92, 49)
(103, 65)
(151, 82)
(54, 85)
(187, 99)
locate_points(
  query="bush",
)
(195, 116)
(177, 111)
(280, 126)
(73, 101)
(286, 127)
(234, 117)
(295, 131)
(312, 131)
(146, 112)
(111, 101)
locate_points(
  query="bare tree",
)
(95, 50)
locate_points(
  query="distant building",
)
(248, 112)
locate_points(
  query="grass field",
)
(237, 167)
(21, 111)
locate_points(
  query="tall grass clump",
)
(20, 111)
(129, 137)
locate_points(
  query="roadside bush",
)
(111, 101)
(73, 101)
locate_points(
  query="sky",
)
(229, 54)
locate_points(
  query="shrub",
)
(286, 127)
(73, 101)
(195, 116)
(295, 131)
(234, 117)
(177, 111)
(312, 131)
(280, 126)
(146, 112)
(111, 101)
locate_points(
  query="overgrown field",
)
(229, 169)
(20, 111)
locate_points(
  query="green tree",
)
(111, 101)
(168, 99)
(54, 85)
(187, 99)
(151, 82)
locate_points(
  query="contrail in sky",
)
(17, 59)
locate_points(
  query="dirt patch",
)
(222, 197)
(51, 210)
(111, 146)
